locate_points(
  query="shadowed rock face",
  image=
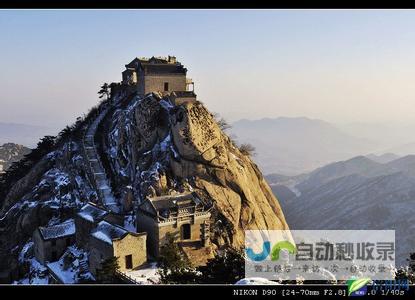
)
(10, 153)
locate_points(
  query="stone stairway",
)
(104, 191)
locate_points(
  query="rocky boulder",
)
(242, 198)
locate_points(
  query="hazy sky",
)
(340, 66)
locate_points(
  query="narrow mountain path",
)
(104, 191)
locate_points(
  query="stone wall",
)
(153, 83)
(140, 84)
(158, 232)
(39, 247)
(134, 245)
(131, 244)
(176, 230)
(83, 230)
(148, 225)
(99, 251)
(44, 249)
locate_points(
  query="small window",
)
(53, 242)
(166, 86)
(129, 261)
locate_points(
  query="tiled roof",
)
(164, 68)
(157, 65)
(92, 213)
(107, 232)
(58, 231)
(158, 60)
(173, 201)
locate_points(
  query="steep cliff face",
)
(230, 178)
(159, 148)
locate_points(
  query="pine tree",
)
(171, 256)
(226, 268)
(108, 271)
(104, 91)
(175, 267)
(20, 168)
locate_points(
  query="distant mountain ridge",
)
(297, 145)
(358, 193)
(23, 134)
(10, 153)
(383, 158)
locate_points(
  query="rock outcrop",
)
(10, 153)
(166, 149)
(242, 198)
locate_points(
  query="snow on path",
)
(148, 275)
(105, 193)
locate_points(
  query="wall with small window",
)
(164, 83)
(187, 231)
(131, 251)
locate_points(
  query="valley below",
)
(356, 194)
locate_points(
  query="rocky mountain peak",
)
(147, 146)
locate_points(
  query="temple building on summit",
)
(158, 74)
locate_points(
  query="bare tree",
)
(247, 149)
(222, 123)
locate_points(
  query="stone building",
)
(184, 216)
(108, 240)
(163, 75)
(51, 242)
(98, 232)
(86, 220)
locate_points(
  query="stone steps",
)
(101, 181)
